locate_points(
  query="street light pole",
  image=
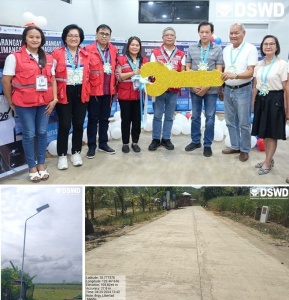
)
(39, 209)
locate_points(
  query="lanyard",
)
(204, 58)
(39, 65)
(132, 65)
(241, 48)
(264, 79)
(102, 55)
(71, 62)
(165, 55)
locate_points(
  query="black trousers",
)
(98, 116)
(130, 120)
(69, 114)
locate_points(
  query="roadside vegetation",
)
(123, 205)
(128, 219)
(243, 209)
(243, 205)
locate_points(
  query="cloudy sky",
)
(53, 249)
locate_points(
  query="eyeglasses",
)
(73, 36)
(269, 44)
(169, 34)
(104, 34)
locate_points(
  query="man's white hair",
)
(167, 29)
(239, 25)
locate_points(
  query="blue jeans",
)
(165, 103)
(237, 106)
(210, 101)
(34, 123)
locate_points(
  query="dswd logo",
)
(269, 193)
(254, 192)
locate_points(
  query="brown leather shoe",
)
(230, 151)
(243, 156)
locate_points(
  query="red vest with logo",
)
(61, 74)
(96, 75)
(125, 90)
(176, 62)
(24, 92)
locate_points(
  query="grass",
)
(127, 220)
(56, 291)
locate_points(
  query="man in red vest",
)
(173, 58)
(102, 81)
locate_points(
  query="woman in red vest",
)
(128, 67)
(72, 74)
(30, 89)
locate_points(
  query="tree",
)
(120, 194)
(94, 198)
(89, 201)
(9, 276)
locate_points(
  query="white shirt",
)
(247, 57)
(276, 76)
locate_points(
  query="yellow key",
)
(165, 78)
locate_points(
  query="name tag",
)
(41, 83)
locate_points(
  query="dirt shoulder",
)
(275, 230)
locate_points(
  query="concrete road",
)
(191, 254)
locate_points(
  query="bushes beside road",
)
(279, 208)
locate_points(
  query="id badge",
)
(107, 68)
(41, 83)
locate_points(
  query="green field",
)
(56, 291)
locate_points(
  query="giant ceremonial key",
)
(165, 78)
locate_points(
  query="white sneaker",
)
(76, 159)
(62, 162)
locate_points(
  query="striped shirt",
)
(215, 58)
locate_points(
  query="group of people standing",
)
(79, 80)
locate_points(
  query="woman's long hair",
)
(140, 49)
(41, 53)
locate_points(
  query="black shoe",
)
(193, 146)
(167, 144)
(90, 153)
(135, 147)
(154, 144)
(208, 151)
(106, 149)
(125, 149)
